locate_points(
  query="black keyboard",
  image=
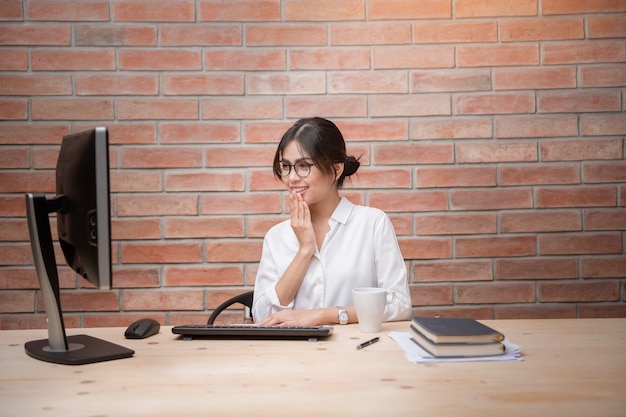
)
(251, 331)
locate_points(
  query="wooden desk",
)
(571, 368)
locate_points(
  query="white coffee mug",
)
(370, 305)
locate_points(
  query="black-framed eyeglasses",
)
(302, 168)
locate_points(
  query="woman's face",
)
(315, 187)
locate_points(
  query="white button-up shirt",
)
(359, 250)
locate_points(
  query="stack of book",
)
(456, 337)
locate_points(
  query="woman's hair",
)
(323, 141)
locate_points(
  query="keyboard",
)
(251, 331)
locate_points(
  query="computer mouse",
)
(142, 328)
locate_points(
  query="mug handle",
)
(391, 296)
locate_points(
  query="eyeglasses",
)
(302, 168)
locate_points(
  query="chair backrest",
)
(245, 299)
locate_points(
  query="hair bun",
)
(350, 166)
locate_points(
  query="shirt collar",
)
(343, 210)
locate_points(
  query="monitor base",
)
(82, 349)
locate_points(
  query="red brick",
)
(201, 35)
(44, 158)
(575, 196)
(578, 102)
(137, 228)
(329, 59)
(131, 133)
(579, 244)
(455, 176)
(157, 205)
(175, 276)
(605, 310)
(602, 125)
(602, 172)
(534, 311)
(392, 82)
(89, 301)
(431, 295)
(244, 10)
(348, 106)
(14, 60)
(231, 251)
(421, 248)
(11, 10)
(369, 178)
(12, 158)
(414, 201)
(154, 11)
(163, 299)
(157, 108)
(488, 8)
(202, 133)
(370, 33)
(451, 128)
(543, 29)
(540, 221)
(242, 108)
(603, 76)
(13, 109)
(604, 267)
(36, 34)
(455, 224)
(501, 103)
(118, 84)
(482, 152)
(136, 277)
(161, 252)
(538, 174)
(549, 7)
(580, 150)
(160, 60)
(451, 80)
(497, 55)
(160, 157)
(455, 32)
(69, 10)
(288, 83)
(111, 35)
(536, 268)
(409, 105)
(214, 227)
(611, 26)
(578, 291)
(35, 85)
(494, 293)
(18, 278)
(372, 130)
(456, 270)
(32, 182)
(591, 52)
(225, 156)
(324, 10)
(413, 153)
(477, 313)
(245, 60)
(134, 181)
(413, 57)
(491, 199)
(204, 181)
(605, 219)
(407, 9)
(229, 203)
(285, 35)
(72, 109)
(536, 126)
(494, 246)
(533, 78)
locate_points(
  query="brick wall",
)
(492, 133)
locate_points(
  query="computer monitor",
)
(84, 229)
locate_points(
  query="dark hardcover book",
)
(455, 330)
(451, 350)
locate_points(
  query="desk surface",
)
(571, 367)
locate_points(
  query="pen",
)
(369, 342)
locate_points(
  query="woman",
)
(311, 263)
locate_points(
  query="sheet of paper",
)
(416, 354)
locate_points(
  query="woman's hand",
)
(301, 222)
(294, 318)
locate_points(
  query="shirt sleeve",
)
(266, 299)
(391, 271)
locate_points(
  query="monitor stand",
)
(58, 348)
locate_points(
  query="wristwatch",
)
(342, 315)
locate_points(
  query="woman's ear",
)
(339, 166)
